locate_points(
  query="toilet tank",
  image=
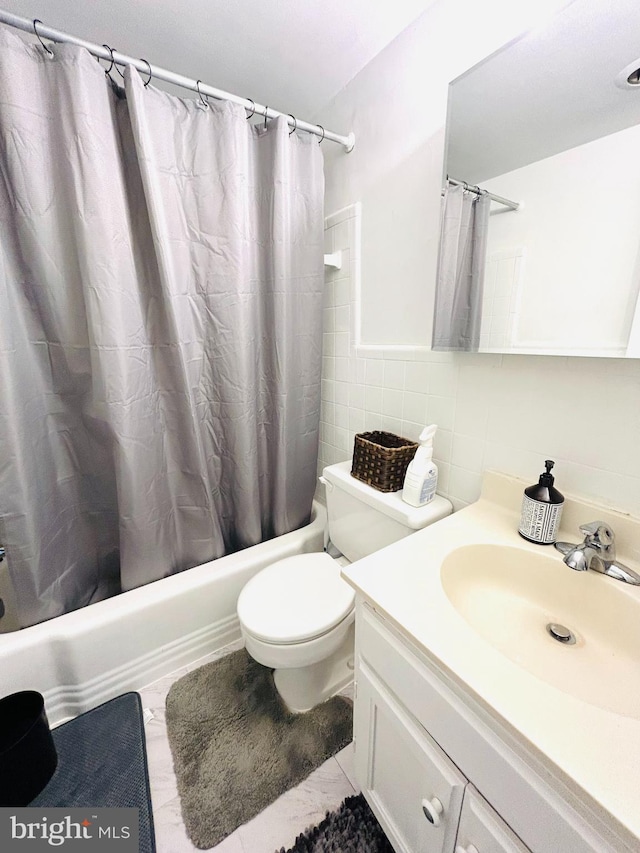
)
(363, 520)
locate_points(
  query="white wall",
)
(503, 412)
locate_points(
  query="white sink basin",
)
(509, 595)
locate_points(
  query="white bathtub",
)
(123, 643)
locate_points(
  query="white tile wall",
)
(508, 413)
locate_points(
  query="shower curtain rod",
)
(512, 205)
(145, 67)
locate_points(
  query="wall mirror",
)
(552, 122)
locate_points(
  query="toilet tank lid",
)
(390, 503)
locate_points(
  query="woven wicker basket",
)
(381, 459)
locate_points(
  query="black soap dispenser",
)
(541, 509)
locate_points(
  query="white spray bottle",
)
(421, 478)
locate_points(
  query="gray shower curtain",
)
(461, 265)
(161, 279)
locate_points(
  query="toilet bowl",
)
(297, 615)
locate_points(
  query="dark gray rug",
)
(102, 763)
(236, 747)
(352, 828)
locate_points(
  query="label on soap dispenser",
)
(539, 522)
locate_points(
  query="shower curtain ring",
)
(149, 71)
(35, 29)
(112, 60)
(322, 137)
(295, 124)
(253, 108)
(205, 103)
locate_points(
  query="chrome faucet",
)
(597, 552)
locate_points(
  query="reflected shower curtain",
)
(161, 278)
(461, 266)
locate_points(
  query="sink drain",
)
(561, 634)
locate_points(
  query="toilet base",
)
(302, 688)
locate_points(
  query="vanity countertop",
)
(595, 751)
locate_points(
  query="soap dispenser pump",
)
(541, 509)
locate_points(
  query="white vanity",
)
(475, 729)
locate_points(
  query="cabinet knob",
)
(432, 810)
(470, 849)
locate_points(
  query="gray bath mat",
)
(236, 747)
(353, 828)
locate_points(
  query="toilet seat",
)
(295, 600)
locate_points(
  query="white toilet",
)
(297, 614)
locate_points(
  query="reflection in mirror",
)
(551, 123)
(457, 320)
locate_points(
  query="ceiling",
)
(292, 55)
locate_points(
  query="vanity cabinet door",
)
(412, 787)
(482, 830)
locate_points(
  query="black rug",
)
(102, 763)
(352, 828)
(236, 747)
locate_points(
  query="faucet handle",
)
(599, 535)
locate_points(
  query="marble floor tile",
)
(296, 810)
(345, 759)
(161, 776)
(154, 695)
(348, 691)
(275, 827)
(171, 835)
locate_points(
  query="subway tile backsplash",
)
(504, 412)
